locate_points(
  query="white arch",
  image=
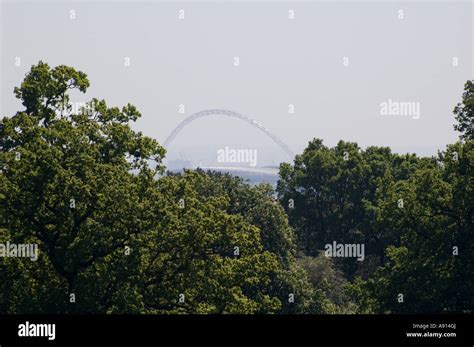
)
(227, 113)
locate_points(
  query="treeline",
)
(118, 235)
(413, 215)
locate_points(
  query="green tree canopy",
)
(115, 238)
(464, 113)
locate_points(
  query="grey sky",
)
(282, 62)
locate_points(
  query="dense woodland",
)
(117, 234)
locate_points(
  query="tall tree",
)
(464, 113)
(114, 238)
(66, 181)
(330, 196)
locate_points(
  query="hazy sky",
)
(283, 61)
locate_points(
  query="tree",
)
(320, 194)
(431, 269)
(66, 182)
(327, 277)
(115, 238)
(258, 207)
(215, 260)
(330, 195)
(464, 113)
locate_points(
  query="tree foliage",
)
(117, 234)
(464, 113)
(115, 238)
(414, 216)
